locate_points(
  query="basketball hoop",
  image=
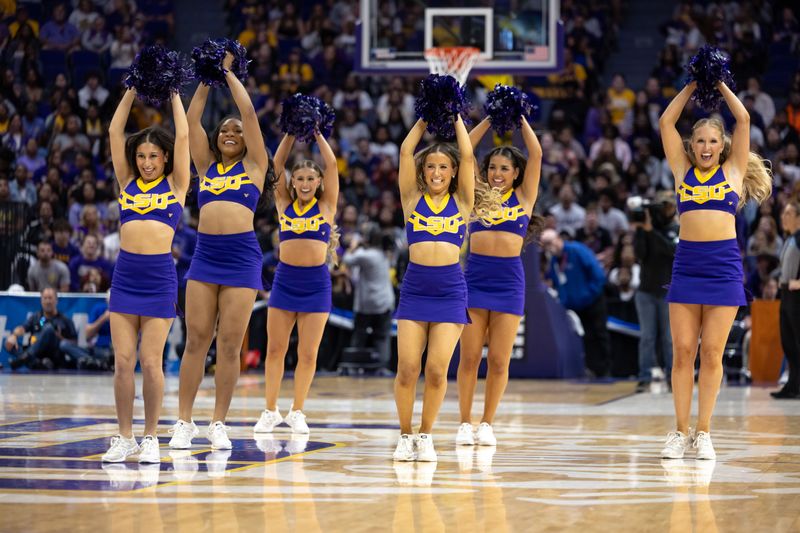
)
(456, 61)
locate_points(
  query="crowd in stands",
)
(62, 64)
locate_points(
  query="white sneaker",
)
(465, 435)
(676, 445)
(120, 449)
(149, 450)
(405, 448)
(425, 451)
(297, 421)
(182, 435)
(485, 435)
(268, 421)
(702, 442)
(217, 433)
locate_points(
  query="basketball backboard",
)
(514, 36)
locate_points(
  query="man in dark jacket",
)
(654, 244)
(47, 340)
(790, 300)
(579, 279)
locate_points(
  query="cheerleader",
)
(437, 190)
(301, 290)
(225, 273)
(495, 277)
(714, 174)
(152, 169)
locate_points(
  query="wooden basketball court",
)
(570, 457)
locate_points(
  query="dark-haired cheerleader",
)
(225, 273)
(152, 169)
(495, 278)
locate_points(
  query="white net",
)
(456, 61)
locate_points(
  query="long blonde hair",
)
(757, 183)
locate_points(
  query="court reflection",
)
(691, 506)
(288, 500)
(415, 508)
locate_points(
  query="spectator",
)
(570, 217)
(92, 91)
(22, 19)
(90, 223)
(762, 102)
(295, 74)
(32, 124)
(765, 240)
(41, 229)
(384, 147)
(88, 259)
(595, 237)
(57, 33)
(47, 272)
(609, 217)
(85, 195)
(123, 49)
(610, 148)
(31, 159)
(47, 340)
(620, 103)
(22, 189)
(64, 250)
(351, 129)
(71, 140)
(374, 296)
(14, 137)
(579, 280)
(353, 97)
(97, 39)
(83, 16)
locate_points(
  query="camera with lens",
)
(637, 206)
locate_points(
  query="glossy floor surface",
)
(570, 457)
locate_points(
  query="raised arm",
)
(477, 133)
(180, 163)
(670, 138)
(330, 175)
(407, 173)
(740, 140)
(466, 167)
(256, 151)
(198, 138)
(529, 189)
(475, 136)
(116, 137)
(279, 163)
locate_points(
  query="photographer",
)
(374, 295)
(654, 244)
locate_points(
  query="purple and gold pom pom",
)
(304, 115)
(208, 59)
(440, 99)
(157, 74)
(505, 106)
(708, 67)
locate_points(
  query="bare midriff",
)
(146, 237)
(225, 218)
(706, 225)
(495, 243)
(303, 252)
(432, 253)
